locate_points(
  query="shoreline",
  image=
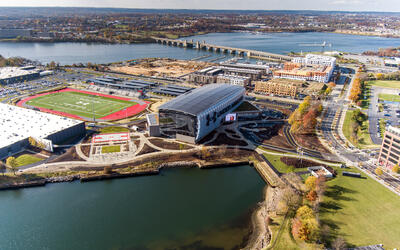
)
(151, 40)
(40, 182)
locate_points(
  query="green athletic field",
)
(80, 104)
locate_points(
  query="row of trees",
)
(304, 118)
(356, 91)
(357, 119)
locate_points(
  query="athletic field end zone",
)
(84, 105)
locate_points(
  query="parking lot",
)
(390, 112)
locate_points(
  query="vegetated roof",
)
(200, 99)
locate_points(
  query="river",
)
(192, 208)
(283, 43)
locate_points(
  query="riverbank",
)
(18, 181)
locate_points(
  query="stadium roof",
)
(200, 99)
(8, 72)
(18, 123)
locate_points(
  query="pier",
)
(222, 49)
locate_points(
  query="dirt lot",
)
(70, 155)
(223, 139)
(311, 142)
(274, 137)
(85, 150)
(168, 145)
(298, 163)
(146, 150)
(162, 67)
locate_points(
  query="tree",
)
(181, 146)
(312, 195)
(304, 212)
(11, 162)
(310, 119)
(311, 182)
(339, 244)
(290, 198)
(378, 171)
(396, 169)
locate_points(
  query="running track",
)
(130, 111)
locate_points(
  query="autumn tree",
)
(11, 162)
(311, 196)
(396, 169)
(311, 182)
(378, 171)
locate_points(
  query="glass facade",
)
(172, 123)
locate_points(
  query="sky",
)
(349, 5)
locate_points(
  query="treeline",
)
(387, 52)
(304, 118)
(13, 61)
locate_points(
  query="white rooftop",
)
(18, 123)
(7, 72)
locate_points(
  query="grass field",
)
(80, 104)
(113, 130)
(25, 159)
(362, 211)
(389, 97)
(364, 140)
(282, 167)
(385, 84)
(111, 149)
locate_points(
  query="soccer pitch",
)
(81, 104)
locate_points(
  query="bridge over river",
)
(223, 49)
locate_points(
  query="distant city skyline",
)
(340, 5)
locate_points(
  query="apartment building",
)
(276, 87)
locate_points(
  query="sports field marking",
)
(81, 104)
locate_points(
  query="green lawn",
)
(111, 149)
(282, 167)
(113, 130)
(362, 211)
(389, 97)
(26, 159)
(385, 84)
(364, 140)
(366, 94)
(80, 104)
(382, 126)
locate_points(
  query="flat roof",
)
(18, 123)
(152, 119)
(8, 72)
(200, 99)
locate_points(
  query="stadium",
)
(193, 115)
(84, 105)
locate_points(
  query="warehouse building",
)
(10, 75)
(18, 124)
(191, 116)
(389, 154)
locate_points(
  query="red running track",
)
(130, 111)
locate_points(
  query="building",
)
(389, 154)
(191, 116)
(14, 33)
(302, 72)
(312, 59)
(234, 80)
(393, 62)
(277, 87)
(18, 124)
(310, 68)
(210, 75)
(153, 124)
(10, 75)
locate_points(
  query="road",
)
(330, 132)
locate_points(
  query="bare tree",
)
(339, 244)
